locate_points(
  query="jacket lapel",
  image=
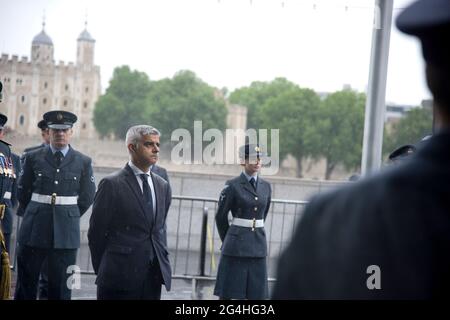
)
(246, 185)
(130, 178)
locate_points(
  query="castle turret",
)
(85, 48)
(42, 48)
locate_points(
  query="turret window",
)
(22, 99)
(21, 120)
(65, 103)
(86, 90)
(44, 101)
(67, 87)
(85, 105)
(45, 85)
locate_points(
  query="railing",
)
(193, 241)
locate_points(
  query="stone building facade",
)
(33, 87)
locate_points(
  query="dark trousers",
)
(150, 289)
(43, 281)
(29, 264)
(7, 242)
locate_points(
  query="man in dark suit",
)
(242, 272)
(127, 230)
(387, 236)
(56, 187)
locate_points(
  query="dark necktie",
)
(147, 196)
(149, 207)
(253, 183)
(58, 158)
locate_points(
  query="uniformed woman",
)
(242, 272)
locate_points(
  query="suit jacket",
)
(398, 221)
(244, 202)
(45, 225)
(160, 171)
(120, 234)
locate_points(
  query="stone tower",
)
(34, 87)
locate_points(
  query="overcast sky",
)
(320, 44)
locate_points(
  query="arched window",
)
(84, 125)
(44, 101)
(21, 119)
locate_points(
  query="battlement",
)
(14, 59)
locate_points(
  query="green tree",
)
(293, 111)
(123, 104)
(256, 95)
(341, 128)
(178, 102)
(416, 124)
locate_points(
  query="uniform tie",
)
(253, 182)
(58, 157)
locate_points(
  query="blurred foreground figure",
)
(388, 236)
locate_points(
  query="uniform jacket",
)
(44, 225)
(244, 202)
(398, 220)
(120, 234)
(11, 200)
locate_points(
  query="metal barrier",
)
(193, 241)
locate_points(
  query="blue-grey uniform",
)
(54, 197)
(10, 200)
(6, 178)
(242, 272)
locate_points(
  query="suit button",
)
(74, 178)
(56, 182)
(256, 198)
(57, 170)
(256, 208)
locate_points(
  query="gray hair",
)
(135, 133)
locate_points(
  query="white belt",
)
(7, 195)
(54, 199)
(248, 223)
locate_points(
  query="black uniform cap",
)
(3, 120)
(402, 152)
(42, 124)
(60, 119)
(430, 21)
(251, 151)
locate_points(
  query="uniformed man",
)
(45, 134)
(6, 177)
(242, 272)
(386, 236)
(56, 187)
(10, 195)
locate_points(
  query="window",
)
(67, 87)
(45, 85)
(86, 90)
(44, 101)
(85, 105)
(65, 103)
(84, 125)
(22, 98)
(21, 120)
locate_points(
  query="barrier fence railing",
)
(193, 240)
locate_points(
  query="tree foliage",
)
(123, 104)
(341, 127)
(178, 102)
